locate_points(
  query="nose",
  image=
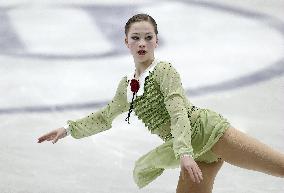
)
(142, 44)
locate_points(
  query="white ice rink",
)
(61, 60)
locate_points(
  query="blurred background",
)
(61, 60)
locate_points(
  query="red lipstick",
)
(142, 52)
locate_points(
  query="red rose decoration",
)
(134, 84)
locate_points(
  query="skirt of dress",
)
(208, 128)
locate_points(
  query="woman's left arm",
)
(171, 87)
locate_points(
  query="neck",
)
(142, 66)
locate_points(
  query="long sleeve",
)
(102, 119)
(171, 87)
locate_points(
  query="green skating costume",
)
(165, 110)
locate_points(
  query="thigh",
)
(240, 149)
(209, 172)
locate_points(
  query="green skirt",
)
(207, 129)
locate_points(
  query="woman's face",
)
(141, 40)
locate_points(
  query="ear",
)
(157, 42)
(126, 42)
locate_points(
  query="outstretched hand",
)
(54, 135)
(189, 166)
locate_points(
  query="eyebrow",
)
(146, 33)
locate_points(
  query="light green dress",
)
(166, 112)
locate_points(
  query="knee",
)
(280, 168)
(281, 171)
(275, 168)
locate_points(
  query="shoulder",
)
(165, 68)
(124, 78)
(163, 64)
(122, 83)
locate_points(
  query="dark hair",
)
(140, 17)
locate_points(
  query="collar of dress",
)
(141, 80)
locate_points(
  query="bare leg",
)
(242, 150)
(209, 172)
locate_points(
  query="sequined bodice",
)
(150, 108)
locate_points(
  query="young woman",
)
(198, 140)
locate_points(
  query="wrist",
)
(185, 155)
(67, 130)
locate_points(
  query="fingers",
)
(49, 136)
(191, 174)
(200, 174)
(194, 173)
(191, 167)
(55, 139)
(44, 137)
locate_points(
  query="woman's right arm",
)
(97, 121)
(102, 119)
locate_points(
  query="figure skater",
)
(197, 140)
